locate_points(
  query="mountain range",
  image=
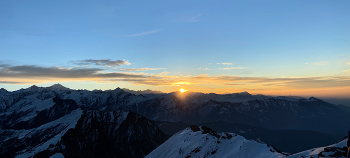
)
(42, 121)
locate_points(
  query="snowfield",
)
(328, 151)
(200, 144)
(60, 126)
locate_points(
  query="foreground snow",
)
(57, 155)
(334, 150)
(203, 142)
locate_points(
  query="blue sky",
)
(260, 39)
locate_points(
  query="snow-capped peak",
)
(3, 90)
(313, 99)
(57, 87)
(203, 142)
(335, 150)
(35, 88)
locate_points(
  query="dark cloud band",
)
(102, 62)
(32, 71)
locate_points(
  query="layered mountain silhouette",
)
(42, 121)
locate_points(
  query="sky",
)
(272, 47)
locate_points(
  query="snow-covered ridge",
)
(203, 142)
(108, 134)
(335, 150)
(192, 108)
(49, 133)
(29, 106)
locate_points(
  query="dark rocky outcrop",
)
(109, 134)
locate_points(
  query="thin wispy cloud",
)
(3, 65)
(33, 71)
(38, 74)
(226, 63)
(139, 69)
(204, 69)
(102, 62)
(292, 82)
(10, 82)
(233, 68)
(143, 33)
(235, 84)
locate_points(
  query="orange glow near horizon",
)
(327, 86)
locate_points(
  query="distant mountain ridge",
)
(45, 111)
(147, 91)
(193, 108)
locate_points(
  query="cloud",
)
(102, 62)
(143, 33)
(234, 84)
(272, 84)
(233, 68)
(2, 64)
(37, 71)
(266, 82)
(226, 63)
(32, 71)
(10, 82)
(203, 68)
(139, 69)
(291, 82)
(26, 74)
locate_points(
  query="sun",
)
(182, 90)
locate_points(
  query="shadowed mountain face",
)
(62, 128)
(109, 134)
(61, 108)
(277, 113)
(272, 113)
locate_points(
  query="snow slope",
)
(108, 134)
(202, 142)
(57, 129)
(334, 150)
